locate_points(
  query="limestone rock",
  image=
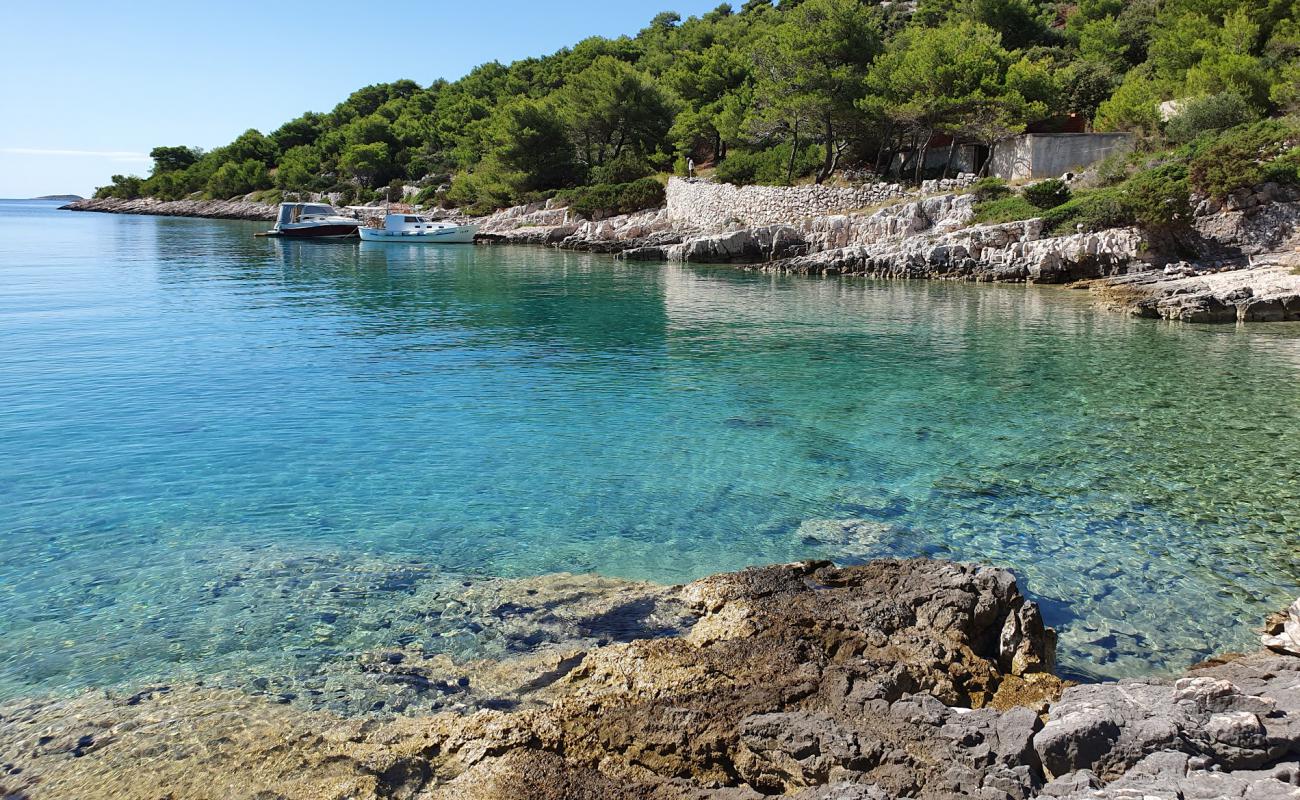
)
(1283, 633)
(883, 680)
(214, 209)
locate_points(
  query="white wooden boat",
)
(417, 229)
(312, 221)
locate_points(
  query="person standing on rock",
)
(690, 168)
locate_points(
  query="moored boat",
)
(312, 221)
(417, 229)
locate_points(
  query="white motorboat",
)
(418, 229)
(312, 221)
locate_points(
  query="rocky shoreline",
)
(1244, 264)
(912, 678)
(209, 209)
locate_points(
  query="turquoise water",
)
(204, 435)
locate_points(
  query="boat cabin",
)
(297, 212)
(411, 222)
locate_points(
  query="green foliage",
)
(173, 159)
(1020, 22)
(529, 139)
(1005, 209)
(1154, 198)
(233, 179)
(1243, 157)
(1285, 169)
(1112, 169)
(810, 72)
(770, 167)
(627, 167)
(252, 146)
(611, 108)
(1135, 105)
(605, 200)
(1047, 194)
(775, 92)
(1159, 197)
(1209, 114)
(299, 169)
(1093, 210)
(365, 163)
(479, 192)
(986, 189)
(124, 187)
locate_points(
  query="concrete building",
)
(1051, 155)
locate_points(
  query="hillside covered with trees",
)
(772, 93)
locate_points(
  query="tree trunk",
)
(794, 153)
(988, 161)
(885, 140)
(952, 148)
(828, 163)
(909, 160)
(925, 153)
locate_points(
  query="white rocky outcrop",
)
(148, 206)
(1015, 251)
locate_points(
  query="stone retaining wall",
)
(708, 205)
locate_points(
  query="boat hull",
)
(327, 231)
(462, 234)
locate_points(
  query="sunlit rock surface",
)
(892, 679)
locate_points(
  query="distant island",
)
(62, 198)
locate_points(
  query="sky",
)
(88, 88)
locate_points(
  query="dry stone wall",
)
(707, 205)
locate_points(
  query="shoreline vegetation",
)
(811, 91)
(1228, 261)
(913, 678)
(844, 94)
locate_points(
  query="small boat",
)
(415, 228)
(312, 221)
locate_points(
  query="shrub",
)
(1095, 210)
(607, 199)
(269, 196)
(1209, 114)
(1285, 168)
(478, 193)
(429, 195)
(740, 168)
(986, 189)
(1112, 170)
(1005, 209)
(767, 167)
(238, 178)
(125, 187)
(1159, 197)
(1242, 157)
(627, 167)
(640, 195)
(1047, 194)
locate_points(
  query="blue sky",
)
(87, 88)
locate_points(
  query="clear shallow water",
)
(206, 439)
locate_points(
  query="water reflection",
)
(182, 397)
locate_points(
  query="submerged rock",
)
(892, 679)
(850, 658)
